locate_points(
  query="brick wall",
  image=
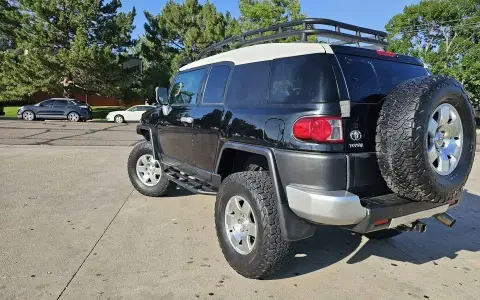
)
(92, 100)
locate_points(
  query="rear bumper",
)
(346, 209)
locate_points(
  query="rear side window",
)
(216, 84)
(60, 103)
(186, 87)
(369, 77)
(249, 84)
(302, 79)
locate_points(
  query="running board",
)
(189, 182)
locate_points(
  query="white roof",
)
(263, 52)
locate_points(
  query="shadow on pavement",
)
(330, 245)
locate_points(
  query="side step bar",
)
(189, 182)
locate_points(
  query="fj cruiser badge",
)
(355, 135)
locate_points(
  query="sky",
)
(366, 13)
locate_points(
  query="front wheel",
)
(145, 172)
(28, 115)
(247, 225)
(119, 119)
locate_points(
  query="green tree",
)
(445, 35)
(178, 33)
(63, 41)
(8, 22)
(264, 13)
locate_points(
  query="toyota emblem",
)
(356, 135)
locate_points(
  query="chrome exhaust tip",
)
(446, 219)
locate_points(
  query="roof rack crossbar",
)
(285, 30)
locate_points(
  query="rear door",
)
(59, 109)
(369, 80)
(208, 117)
(175, 130)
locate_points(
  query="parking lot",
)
(72, 227)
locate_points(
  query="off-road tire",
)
(271, 251)
(401, 140)
(158, 190)
(383, 234)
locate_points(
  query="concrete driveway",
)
(72, 227)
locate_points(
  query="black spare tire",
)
(426, 139)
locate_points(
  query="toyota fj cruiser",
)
(289, 136)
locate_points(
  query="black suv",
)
(56, 109)
(289, 136)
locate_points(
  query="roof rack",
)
(374, 38)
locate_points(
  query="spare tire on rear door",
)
(426, 139)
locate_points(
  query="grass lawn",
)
(11, 111)
(99, 112)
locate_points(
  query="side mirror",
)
(161, 95)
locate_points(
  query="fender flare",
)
(293, 228)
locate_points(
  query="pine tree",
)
(59, 41)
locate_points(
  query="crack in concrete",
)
(95, 245)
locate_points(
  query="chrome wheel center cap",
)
(439, 137)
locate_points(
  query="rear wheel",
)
(383, 234)
(28, 115)
(73, 117)
(248, 227)
(145, 172)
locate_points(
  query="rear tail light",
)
(319, 129)
(386, 53)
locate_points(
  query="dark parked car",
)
(56, 109)
(289, 136)
(2, 113)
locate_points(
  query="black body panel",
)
(325, 170)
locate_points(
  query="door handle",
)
(186, 120)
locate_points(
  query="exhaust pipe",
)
(446, 219)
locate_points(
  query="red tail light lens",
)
(319, 129)
(386, 53)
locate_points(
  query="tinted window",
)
(60, 103)
(47, 103)
(76, 102)
(249, 85)
(143, 108)
(368, 77)
(216, 84)
(302, 79)
(186, 87)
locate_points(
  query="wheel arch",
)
(293, 227)
(150, 134)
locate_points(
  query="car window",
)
(367, 77)
(216, 84)
(132, 109)
(249, 85)
(76, 102)
(186, 87)
(47, 103)
(60, 103)
(302, 79)
(143, 108)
